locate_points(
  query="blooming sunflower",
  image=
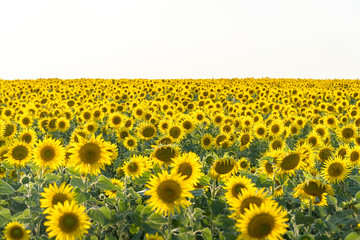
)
(135, 167)
(314, 190)
(16, 231)
(165, 154)
(223, 168)
(112, 193)
(233, 187)
(187, 164)
(288, 163)
(29, 136)
(260, 130)
(49, 153)
(168, 192)
(325, 153)
(54, 195)
(244, 164)
(277, 143)
(266, 221)
(175, 131)
(245, 139)
(130, 143)
(67, 221)
(146, 131)
(89, 156)
(354, 156)
(347, 133)
(336, 170)
(19, 153)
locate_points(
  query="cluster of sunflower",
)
(254, 145)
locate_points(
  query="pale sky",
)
(179, 39)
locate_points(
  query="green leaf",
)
(355, 178)
(101, 215)
(133, 229)
(5, 216)
(105, 184)
(357, 197)
(5, 188)
(50, 178)
(300, 218)
(352, 236)
(206, 234)
(19, 199)
(157, 218)
(77, 182)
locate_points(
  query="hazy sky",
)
(179, 39)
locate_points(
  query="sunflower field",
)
(179, 159)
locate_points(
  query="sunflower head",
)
(223, 168)
(19, 153)
(16, 231)
(188, 165)
(165, 154)
(336, 170)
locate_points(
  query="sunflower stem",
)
(169, 226)
(310, 207)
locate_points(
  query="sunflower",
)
(164, 125)
(207, 141)
(165, 154)
(63, 124)
(288, 163)
(244, 164)
(277, 143)
(90, 127)
(347, 133)
(10, 130)
(321, 130)
(336, 170)
(123, 133)
(354, 156)
(29, 136)
(89, 156)
(49, 153)
(16, 231)
(330, 121)
(245, 139)
(266, 221)
(314, 190)
(54, 195)
(2, 171)
(294, 129)
(67, 221)
(175, 132)
(188, 165)
(275, 128)
(116, 120)
(314, 139)
(260, 130)
(223, 168)
(233, 187)
(155, 236)
(115, 182)
(146, 131)
(248, 197)
(130, 143)
(135, 167)
(19, 153)
(3, 151)
(343, 150)
(188, 124)
(219, 139)
(25, 121)
(325, 153)
(307, 155)
(168, 192)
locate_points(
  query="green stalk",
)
(169, 226)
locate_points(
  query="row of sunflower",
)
(179, 159)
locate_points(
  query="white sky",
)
(179, 39)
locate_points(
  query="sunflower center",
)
(236, 189)
(269, 167)
(243, 164)
(26, 138)
(261, 131)
(354, 156)
(342, 152)
(47, 153)
(206, 141)
(294, 130)
(245, 139)
(132, 167)
(62, 125)
(185, 169)
(276, 144)
(224, 167)
(69, 222)
(148, 131)
(290, 162)
(90, 153)
(250, 200)
(52, 123)
(20, 153)
(324, 154)
(348, 133)
(275, 129)
(9, 129)
(313, 141)
(261, 225)
(59, 198)
(187, 125)
(26, 121)
(16, 232)
(320, 131)
(165, 154)
(175, 132)
(124, 134)
(331, 121)
(130, 142)
(116, 120)
(169, 191)
(313, 189)
(335, 169)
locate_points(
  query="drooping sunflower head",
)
(315, 190)
(336, 170)
(188, 165)
(146, 131)
(54, 195)
(16, 231)
(168, 192)
(325, 153)
(223, 168)
(245, 139)
(90, 156)
(19, 153)
(49, 153)
(67, 220)
(289, 162)
(267, 221)
(165, 154)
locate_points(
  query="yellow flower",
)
(19, 153)
(67, 221)
(112, 193)
(187, 164)
(16, 231)
(54, 195)
(135, 167)
(336, 170)
(49, 153)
